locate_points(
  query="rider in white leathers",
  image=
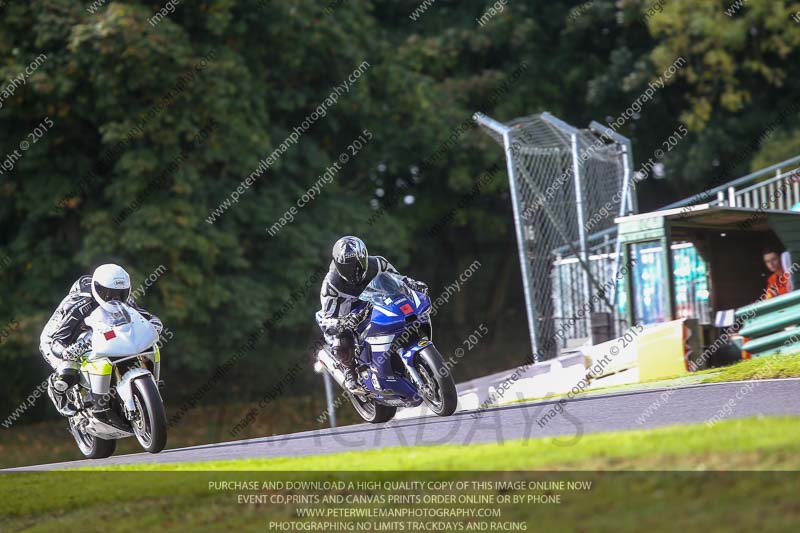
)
(66, 337)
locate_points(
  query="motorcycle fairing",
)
(121, 332)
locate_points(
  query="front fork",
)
(408, 361)
(125, 386)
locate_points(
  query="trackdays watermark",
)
(463, 430)
(320, 112)
(21, 79)
(324, 179)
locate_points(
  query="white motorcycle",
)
(117, 395)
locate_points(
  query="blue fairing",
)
(393, 313)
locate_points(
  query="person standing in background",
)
(779, 281)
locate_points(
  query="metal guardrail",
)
(772, 325)
(781, 193)
(749, 179)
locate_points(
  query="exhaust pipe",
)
(325, 359)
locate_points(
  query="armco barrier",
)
(771, 326)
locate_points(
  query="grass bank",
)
(648, 500)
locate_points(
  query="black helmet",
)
(350, 258)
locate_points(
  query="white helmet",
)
(110, 283)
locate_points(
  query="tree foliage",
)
(163, 122)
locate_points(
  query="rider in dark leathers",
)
(66, 337)
(351, 270)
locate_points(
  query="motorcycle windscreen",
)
(384, 288)
(120, 331)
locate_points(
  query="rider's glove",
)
(353, 320)
(74, 351)
(416, 285)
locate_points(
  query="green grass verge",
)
(617, 501)
(745, 444)
(772, 367)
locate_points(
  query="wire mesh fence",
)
(567, 186)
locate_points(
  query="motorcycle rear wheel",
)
(92, 447)
(372, 412)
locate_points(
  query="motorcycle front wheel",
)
(149, 422)
(92, 447)
(372, 412)
(439, 391)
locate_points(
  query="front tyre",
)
(92, 447)
(370, 411)
(439, 390)
(149, 421)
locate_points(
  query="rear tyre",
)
(372, 412)
(439, 392)
(150, 421)
(92, 447)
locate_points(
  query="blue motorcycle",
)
(397, 363)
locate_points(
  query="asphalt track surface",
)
(593, 414)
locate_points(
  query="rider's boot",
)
(351, 379)
(344, 350)
(65, 377)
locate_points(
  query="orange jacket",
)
(777, 284)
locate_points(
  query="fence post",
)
(584, 245)
(516, 206)
(329, 398)
(732, 196)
